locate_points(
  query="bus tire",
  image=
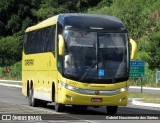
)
(112, 110)
(32, 101)
(59, 107)
(43, 103)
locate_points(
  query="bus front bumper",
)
(69, 97)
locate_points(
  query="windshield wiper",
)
(87, 71)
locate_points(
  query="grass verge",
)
(147, 98)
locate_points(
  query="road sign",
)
(157, 76)
(137, 69)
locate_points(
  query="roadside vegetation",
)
(142, 18)
(148, 98)
(14, 74)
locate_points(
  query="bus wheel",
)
(59, 107)
(112, 110)
(43, 103)
(32, 101)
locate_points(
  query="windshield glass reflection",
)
(95, 56)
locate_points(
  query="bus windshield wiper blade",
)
(87, 71)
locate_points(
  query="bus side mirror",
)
(134, 49)
(61, 45)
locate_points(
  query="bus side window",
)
(52, 35)
(49, 39)
(39, 41)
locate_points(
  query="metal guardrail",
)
(14, 81)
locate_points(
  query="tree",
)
(154, 50)
(13, 13)
(49, 8)
(11, 49)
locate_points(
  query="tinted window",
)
(40, 41)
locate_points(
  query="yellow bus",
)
(77, 59)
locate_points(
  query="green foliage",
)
(14, 23)
(2, 72)
(49, 8)
(11, 50)
(133, 13)
(15, 73)
(154, 50)
(104, 3)
(13, 13)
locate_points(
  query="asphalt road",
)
(13, 102)
(144, 90)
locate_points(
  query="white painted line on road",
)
(9, 85)
(149, 88)
(90, 121)
(52, 112)
(62, 113)
(41, 109)
(10, 81)
(134, 102)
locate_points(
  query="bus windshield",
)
(95, 56)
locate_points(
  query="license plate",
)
(96, 100)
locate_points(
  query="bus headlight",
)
(123, 89)
(69, 87)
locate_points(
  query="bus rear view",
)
(92, 62)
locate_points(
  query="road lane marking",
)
(9, 85)
(134, 102)
(42, 111)
(148, 88)
(10, 81)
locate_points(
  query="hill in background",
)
(141, 17)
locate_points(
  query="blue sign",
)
(137, 69)
(137, 63)
(101, 72)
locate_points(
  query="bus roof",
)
(48, 22)
(80, 21)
